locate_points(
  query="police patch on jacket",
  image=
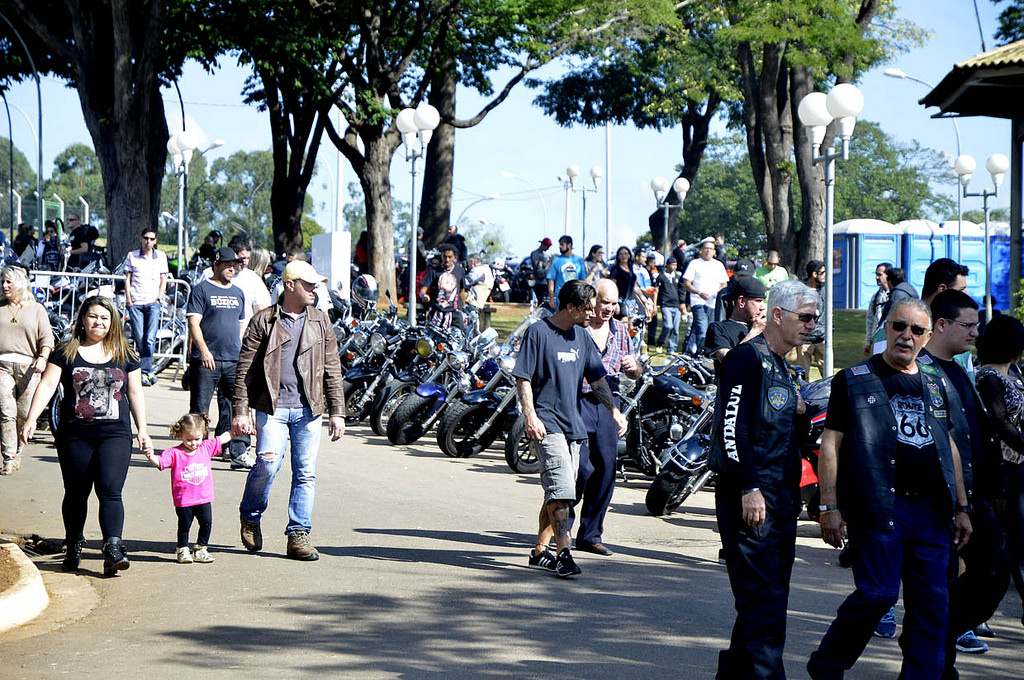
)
(778, 397)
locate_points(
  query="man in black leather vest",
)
(757, 497)
(889, 467)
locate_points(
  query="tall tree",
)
(116, 54)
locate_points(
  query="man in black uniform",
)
(893, 473)
(975, 594)
(757, 495)
(746, 322)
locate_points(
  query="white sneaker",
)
(202, 555)
(184, 555)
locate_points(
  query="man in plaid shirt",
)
(596, 480)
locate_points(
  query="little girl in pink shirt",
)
(192, 481)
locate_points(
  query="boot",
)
(72, 554)
(114, 556)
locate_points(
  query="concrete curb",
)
(27, 598)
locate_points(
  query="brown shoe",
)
(252, 535)
(10, 466)
(595, 548)
(299, 547)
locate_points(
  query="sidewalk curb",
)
(27, 598)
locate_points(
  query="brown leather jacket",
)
(258, 379)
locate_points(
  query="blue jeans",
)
(145, 320)
(701, 320)
(669, 328)
(273, 434)
(917, 548)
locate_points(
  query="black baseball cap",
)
(749, 287)
(226, 254)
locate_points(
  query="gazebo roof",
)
(989, 84)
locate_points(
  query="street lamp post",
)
(573, 172)
(182, 146)
(540, 197)
(901, 75)
(488, 197)
(816, 111)
(997, 165)
(659, 185)
(417, 127)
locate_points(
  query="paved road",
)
(422, 575)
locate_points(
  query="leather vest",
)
(865, 483)
(773, 441)
(959, 428)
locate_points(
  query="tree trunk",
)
(376, 183)
(438, 168)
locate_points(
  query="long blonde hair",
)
(115, 343)
(19, 285)
(259, 258)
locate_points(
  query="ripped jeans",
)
(302, 429)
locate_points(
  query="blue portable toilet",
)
(860, 246)
(951, 232)
(999, 234)
(923, 243)
(973, 257)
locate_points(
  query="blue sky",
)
(516, 137)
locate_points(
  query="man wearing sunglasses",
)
(757, 494)
(145, 284)
(889, 467)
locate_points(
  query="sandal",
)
(10, 467)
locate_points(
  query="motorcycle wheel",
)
(405, 426)
(670, 489)
(353, 393)
(164, 346)
(518, 452)
(386, 403)
(459, 422)
(54, 410)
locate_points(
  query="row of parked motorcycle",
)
(410, 382)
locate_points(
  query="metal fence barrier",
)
(64, 292)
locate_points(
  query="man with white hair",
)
(757, 493)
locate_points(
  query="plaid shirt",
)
(618, 346)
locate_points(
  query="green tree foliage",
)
(76, 172)
(723, 200)
(887, 180)
(24, 183)
(1011, 21)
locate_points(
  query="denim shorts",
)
(559, 464)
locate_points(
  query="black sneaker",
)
(565, 565)
(542, 560)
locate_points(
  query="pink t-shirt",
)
(191, 475)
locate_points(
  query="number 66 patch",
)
(911, 425)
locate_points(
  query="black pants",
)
(760, 563)
(975, 595)
(596, 479)
(204, 516)
(87, 462)
(203, 382)
(1012, 521)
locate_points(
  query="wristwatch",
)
(827, 508)
(964, 508)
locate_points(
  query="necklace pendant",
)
(14, 319)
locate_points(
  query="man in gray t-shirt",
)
(556, 354)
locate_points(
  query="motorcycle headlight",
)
(424, 347)
(675, 431)
(494, 350)
(359, 339)
(507, 363)
(464, 383)
(377, 343)
(458, 360)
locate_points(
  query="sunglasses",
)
(803, 318)
(149, 238)
(900, 326)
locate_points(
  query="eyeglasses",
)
(149, 238)
(965, 324)
(804, 318)
(900, 326)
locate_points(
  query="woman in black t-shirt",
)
(102, 381)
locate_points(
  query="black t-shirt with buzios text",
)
(95, 402)
(221, 310)
(917, 459)
(555, 362)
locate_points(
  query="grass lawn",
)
(848, 330)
